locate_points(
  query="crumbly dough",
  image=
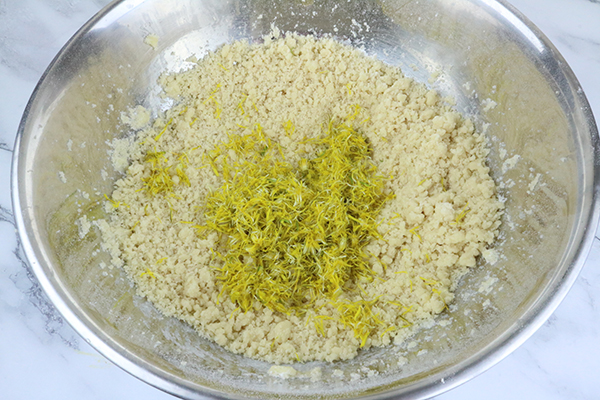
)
(444, 215)
(152, 41)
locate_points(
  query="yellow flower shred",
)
(161, 175)
(296, 234)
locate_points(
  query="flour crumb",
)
(84, 194)
(488, 104)
(83, 225)
(484, 127)
(62, 177)
(338, 373)
(119, 154)
(70, 145)
(502, 153)
(136, 117)
(534, 182)
(315, 374)
(152, 41)
(487, 286)
(490, 255)
(510, 163)
(434, 76)
(282, 371)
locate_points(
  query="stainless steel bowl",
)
(481, 49)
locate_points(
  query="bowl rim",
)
(433, 385)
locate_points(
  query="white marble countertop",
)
(41, 357)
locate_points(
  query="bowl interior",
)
(499, 71)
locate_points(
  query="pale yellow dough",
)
(444, 215)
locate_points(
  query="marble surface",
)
(41, 357)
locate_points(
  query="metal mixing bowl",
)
(478, 49)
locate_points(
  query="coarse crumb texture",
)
(443, 215)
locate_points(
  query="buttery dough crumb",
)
(83, 225)
(487, 286)
(444, 214)
(488, 104)
(534, 183)
(62, 177)
(137, 117)
(510, 163)
(151, 40)
(490, 255)
(281, 371)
